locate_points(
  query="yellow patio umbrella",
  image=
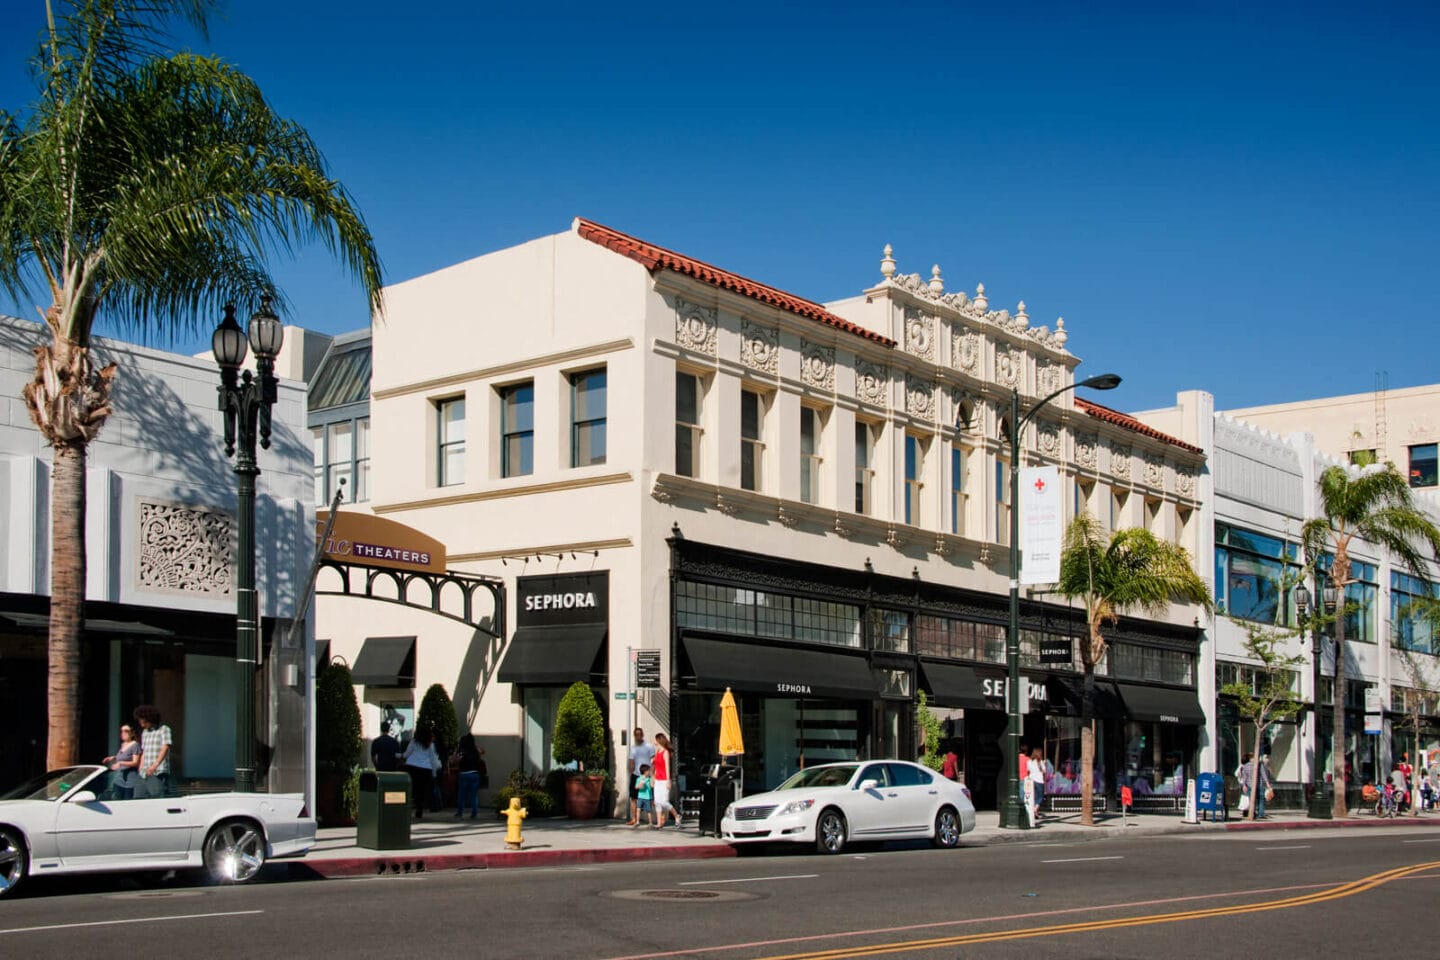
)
(731, 742)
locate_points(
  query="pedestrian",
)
(663, 770)
(155, 743)
(385, 750)
(1255, 781)
(950, 769)
(469, 758)
(644, 792)
(641, 754)
(1427, 794)
(125, 763)
(422, 763)
(1037, 783)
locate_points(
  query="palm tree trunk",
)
(67, 602)
(1337, 711)
(1087, 747)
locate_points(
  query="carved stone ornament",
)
(1049, 438)
(728, 507)
(1007, 366)
(965, 351)
(817, 365)
(840, 527)
(1120, 460)
(919, 398)
(895, 538)
(942, 546)
(1154, 470)
(695, 326)
(1051, 376)
(872, 383)
(919, 338)
(759, 347)
(185, 549)
(1085, 447)
(1185, 481)
(785, 517)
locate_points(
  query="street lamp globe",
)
(1332, 596)
(1302, 600)
(228, 341)
(266, 332)
(1101, 381)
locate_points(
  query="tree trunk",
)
(1087, 747)
(1337, 709)
(67, 602)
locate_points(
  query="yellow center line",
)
(907, 946)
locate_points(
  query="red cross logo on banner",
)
(1039, 484)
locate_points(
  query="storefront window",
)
(1062, 750)
(1133, 662)
(959, 639)
(890, 630)
(1153, 760)
(737, 610)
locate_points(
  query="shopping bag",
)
(1244, 802)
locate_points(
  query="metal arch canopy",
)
(370, 541)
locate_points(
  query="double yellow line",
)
(1321, 896)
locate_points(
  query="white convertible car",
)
(66, 822)
(833, 804)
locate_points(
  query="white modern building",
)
(160, 535)
(662, 461)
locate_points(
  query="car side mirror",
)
(84, 796)
(869, 784)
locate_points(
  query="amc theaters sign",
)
(370, 541)
(563, 600)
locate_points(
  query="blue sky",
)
(1238, 197)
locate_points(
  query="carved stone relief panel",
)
(1185, 481)
(1048, 437)
(919, 398)
(1120, 461)
(1007, 366)
(1085, 446)
(1155, 470)
(817, 365)
(1049, 376)
(184, 549)
(695, 327)
(919, 334)
(759, 347)
(872, 383)
(965, 350)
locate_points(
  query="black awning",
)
(385, 662)
(553, 656)
(1161, 704)
(1066, 695)
(779, 671)
(952, 685)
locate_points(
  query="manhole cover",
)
(688, 896)
(682, 894)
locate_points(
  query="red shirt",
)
(662, 764)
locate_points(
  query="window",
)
(1360, 458)
(687, 424)
(1360, 597)
(587, 417)
(1254, 574)
(340, 455)
(450, 462)
(864, 466)
(517, 430)
(1002, 501)
(959, 461)
(1422, 465)
(959, 639)
(1130, 661)
(810, 427)
(1409, 629)
(737, 610)
(362, 460)
(889, 630)
(752, 445)
(914, 470)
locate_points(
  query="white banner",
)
(1041, 521)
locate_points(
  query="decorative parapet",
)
(976, 309)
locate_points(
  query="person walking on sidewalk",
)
(663, 770)
(125, 763)
(385, 750)
(644, 794)
(422, 763)
(642, 754)
(1255, 780)
(1037, 784)
(469, 759)
(155, 743)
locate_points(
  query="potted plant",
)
(437, 711)
(337, 743)
(580, 739)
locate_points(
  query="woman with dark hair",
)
(469, 762)
(421, 762)
(663, 787)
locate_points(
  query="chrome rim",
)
(234, 852)
(12, 862)
(832, 832)
(947, 828)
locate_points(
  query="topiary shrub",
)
(438, 713)
(337, 721)
(580, 729)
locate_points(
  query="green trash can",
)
(382, 821)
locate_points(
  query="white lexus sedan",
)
(833, 804)
(68, 821)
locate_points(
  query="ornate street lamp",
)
(1010, 815)
(1318, 807)
(246, 399)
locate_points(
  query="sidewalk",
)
(440, 842)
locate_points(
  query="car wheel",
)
(947, 828)
(13, 860)
(234, 851)
(830, 831)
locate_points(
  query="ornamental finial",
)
(1022, 319)
(937, 283)
(887, 263)
(1060, 335)
(980, 302)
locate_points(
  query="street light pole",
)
(1318, 807)
(1010, 806)
(246, 400)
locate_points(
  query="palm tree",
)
(1372, 503)
(149, 185)
(1129, 569)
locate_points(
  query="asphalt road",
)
(1314, 893)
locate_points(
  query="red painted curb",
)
(399, 862)
(1330, 824)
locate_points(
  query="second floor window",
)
(587, 418)
(687, 424)
(517, 430)
(914, 470)
(450, 455)
(958, 462)
(342, 453)
(1002, 501)
(752, 440)
(809, 455)
(864, 466)
(1423, 467)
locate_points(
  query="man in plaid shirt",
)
(155, 740)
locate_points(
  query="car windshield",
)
(836, 776)
(49, 786)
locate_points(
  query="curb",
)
(1348, 823)
(399, 864)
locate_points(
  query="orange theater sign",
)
(372, 541)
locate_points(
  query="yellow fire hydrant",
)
(514, 816)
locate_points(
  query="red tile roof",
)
(1130, 423)
(654, 258)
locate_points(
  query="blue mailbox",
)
(1210, 796)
